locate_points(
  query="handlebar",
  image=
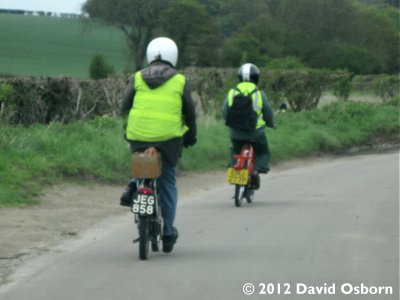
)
(282, 108)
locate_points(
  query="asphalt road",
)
(330, 228)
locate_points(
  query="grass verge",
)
(31, 157)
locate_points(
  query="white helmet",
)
(163, 49)
(249, 72)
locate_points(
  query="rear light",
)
(145, 191)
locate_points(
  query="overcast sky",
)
(65, 6)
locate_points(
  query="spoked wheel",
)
(239, 194)
(156, 230)
(144, 238)
(155, 239)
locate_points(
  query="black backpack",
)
(241, 115)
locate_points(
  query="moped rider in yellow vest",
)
(160, 113)
(249, 76)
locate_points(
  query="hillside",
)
(46, 46)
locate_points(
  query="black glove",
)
(284, 106)
(189, 140)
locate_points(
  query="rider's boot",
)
(255, 180)
(127, 196)
(169, 241)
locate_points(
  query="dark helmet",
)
(249, 72)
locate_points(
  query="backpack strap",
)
(255, 101)
(251, 93)
(256, 107)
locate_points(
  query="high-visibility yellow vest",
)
(156, 114)
(246, 88)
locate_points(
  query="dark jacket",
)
(154, 76)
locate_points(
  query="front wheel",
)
(144, 238)
(239, 194)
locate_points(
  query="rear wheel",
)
(155, 239)
(144, 238)
(239, 192)
(156, 229)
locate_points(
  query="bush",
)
(387, 87)
(346, 56)
(5, 90)
(287, 63)
(99, 67)
(62, 99)
(394, 102)
(342, 88)
(301, 88)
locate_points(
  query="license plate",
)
(238, 176)
(143, 204)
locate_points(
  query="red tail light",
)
(145, 191)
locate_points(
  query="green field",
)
(46, 46)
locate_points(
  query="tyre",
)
(239, 192)
(144, 238)
(156, 230)
(155, 239)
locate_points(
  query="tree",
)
(138, 19)
(188, 23)
(377, 31)
(341, 34)
(346, 34)
(261, 39)
(99, 67)
(314, 22)
(236, 14)
(394, 3)
(243, 48)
